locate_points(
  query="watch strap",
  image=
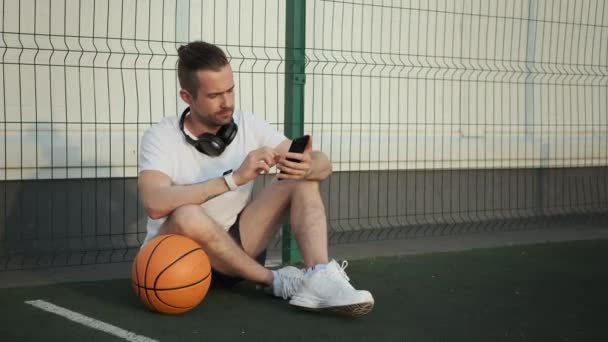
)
(230, 180)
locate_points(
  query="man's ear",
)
(186, 97)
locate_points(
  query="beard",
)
(217, 119)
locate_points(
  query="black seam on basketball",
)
(172, 306)
(178, 307)
(174, 261)
(137, 277)
(169, 266)
(176, 288)
(148, 265)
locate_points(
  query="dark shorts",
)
(219, 279)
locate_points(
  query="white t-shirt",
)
(164, 149)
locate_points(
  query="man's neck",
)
(197, 128)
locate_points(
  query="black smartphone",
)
(298, 145)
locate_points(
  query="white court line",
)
(88, 321)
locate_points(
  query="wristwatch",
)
(230, 180)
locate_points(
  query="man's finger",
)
(267, 157)
(263, 168)
(291, 171)
(295, 165)
(288, 176)
(267, 161)
(308, 147)
(270, 152)
(293, 155)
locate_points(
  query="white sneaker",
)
(329, 290)
(287, 281)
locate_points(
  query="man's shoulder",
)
(241, 116)
(165, 128)
(249, 118)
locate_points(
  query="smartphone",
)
(298, 146)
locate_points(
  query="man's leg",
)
(326, 287)
(261, 219)
(225, 255)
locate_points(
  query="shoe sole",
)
(353, 310)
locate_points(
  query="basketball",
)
(171, 274)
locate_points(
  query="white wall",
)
(390, 84)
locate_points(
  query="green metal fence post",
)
(294, 96)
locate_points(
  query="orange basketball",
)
(171, 274)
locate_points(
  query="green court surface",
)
(545, 292)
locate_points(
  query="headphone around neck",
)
(210, 144)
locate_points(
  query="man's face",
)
(214, 103)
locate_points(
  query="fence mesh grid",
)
(440, 117)
(452, 112)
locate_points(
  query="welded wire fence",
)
(459, 116)
(440, 117)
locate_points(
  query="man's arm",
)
(160, 197)
(312, 165)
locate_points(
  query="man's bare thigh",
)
(261, 219)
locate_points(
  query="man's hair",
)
(196, 56)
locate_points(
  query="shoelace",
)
(342, 269)
(341, 274)
(289, 286)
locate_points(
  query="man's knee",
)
(301, 185)
(191, 220)
(306, 187)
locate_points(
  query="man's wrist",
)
(238, 179)
(230, 181)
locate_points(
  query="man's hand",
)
(298, 169)
(257, 162)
